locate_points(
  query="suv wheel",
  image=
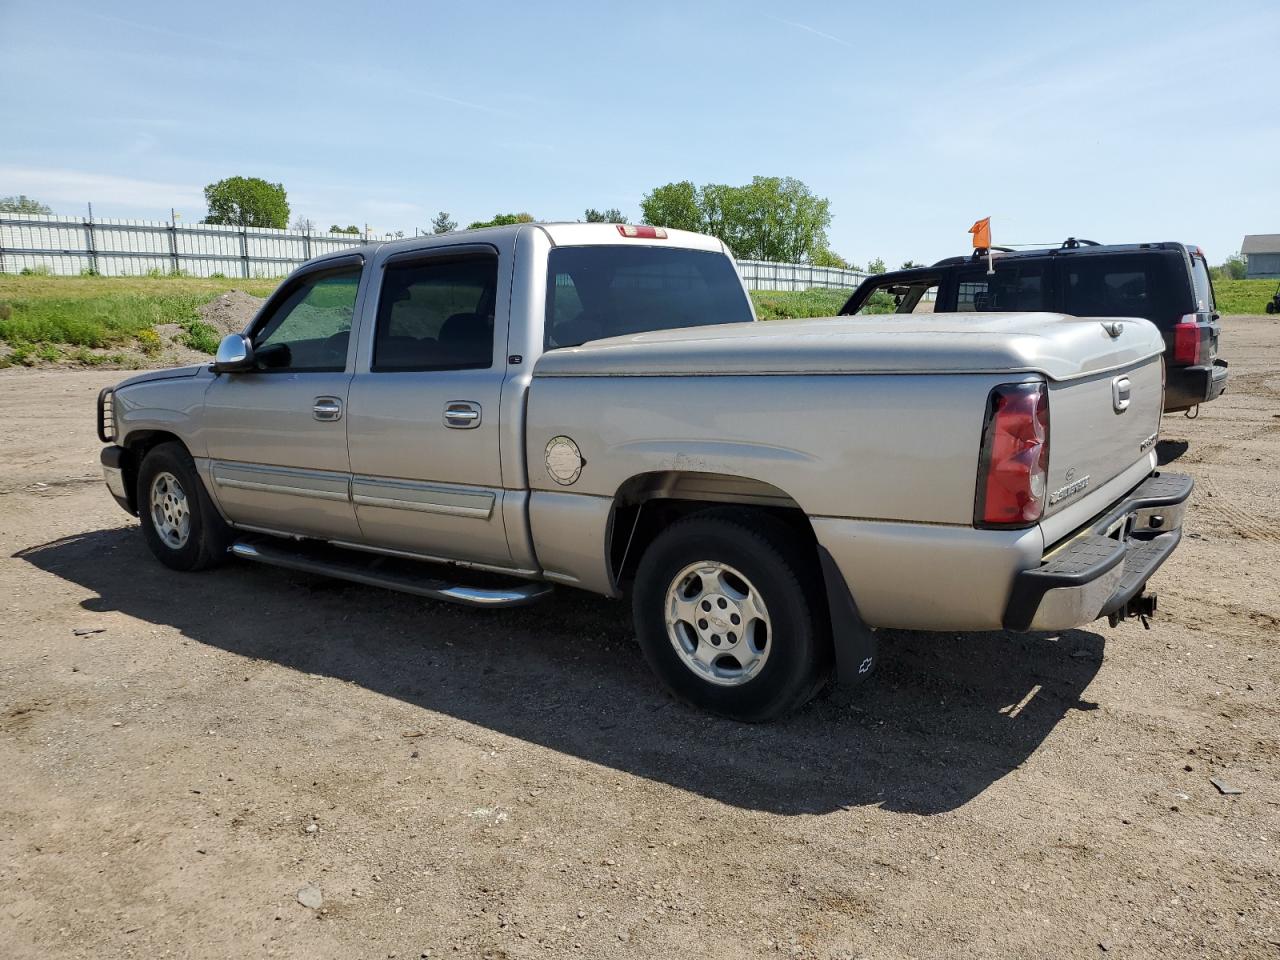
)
(179, 522)
(724, 606)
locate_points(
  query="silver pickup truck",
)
(596, 406)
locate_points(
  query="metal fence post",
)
(306, 245)
(244, 251)
(173, 241)
(93, 249)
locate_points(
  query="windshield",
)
(610, 291)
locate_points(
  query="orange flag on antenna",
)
(981, 234)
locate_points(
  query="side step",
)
(406, 576)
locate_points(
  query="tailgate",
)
(1094, 434)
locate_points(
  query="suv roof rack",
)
(1071, 243)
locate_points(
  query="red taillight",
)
(641, 230)
(1186, 341)
(1015, 456)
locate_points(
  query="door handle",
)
(462, 414)
(327, 408)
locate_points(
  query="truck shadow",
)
(944, 718)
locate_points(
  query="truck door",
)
(424, 425)
(276, 436)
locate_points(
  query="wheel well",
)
(136, 446)
(646, 505)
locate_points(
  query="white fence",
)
(128, 248)
(763, 275)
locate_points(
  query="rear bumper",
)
(1187, 386)
(1101, 569)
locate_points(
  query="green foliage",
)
(39, 270)
(352, 229)
(814, 302)
(23, 204)
(200, 336)
(909, 264)
(247, 202)
(1233, 268)
(826, 257)
(876, 266)
(770, 218)
(155, 273)
(612, 215)
(1243, 296)
(217, 276)
(93, 314)
(443, 223)
(674, 205)
(501, 220)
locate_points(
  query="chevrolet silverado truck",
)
(596, 406)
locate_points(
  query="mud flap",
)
(856, 647)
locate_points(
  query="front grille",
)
(106, 415)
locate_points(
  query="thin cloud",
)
(814, 30)
(66, 188)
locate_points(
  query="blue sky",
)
(1114, 121)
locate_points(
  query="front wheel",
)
(1271, 306)
(727, 608)
(179, 521)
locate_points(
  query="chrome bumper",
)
(1102, 568)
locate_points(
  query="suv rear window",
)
(1203, 286)
(1014, 287)
(1133, 285)
(609, 291)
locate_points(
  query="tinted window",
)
(598, 292)
(1135, 285)
(900, 296)
(437, 315)
(311, 327)
(1013, 287)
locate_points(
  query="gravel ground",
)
(254, 763)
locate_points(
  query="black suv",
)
(1166, 283)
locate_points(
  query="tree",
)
(23, 204)
(909, 264)
(351, 229)
(247, 202)
(770, 218)
(441, 223)
(1233, 268)
(501, 220)
(612, 215)
(827, 257)
(674, 205)
(876, 266)
(303, 224)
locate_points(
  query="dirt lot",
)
(461, 783)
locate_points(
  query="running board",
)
(390, 573)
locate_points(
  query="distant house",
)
(1263, 253)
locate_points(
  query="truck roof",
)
(565, 234)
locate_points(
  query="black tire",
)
(1271, 306)
(208, 535)
(777, 564)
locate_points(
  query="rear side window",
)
(1013, 287)
(1133, 285)
(611, 291)
(916, 295)
(1203, 286)
(437, 315)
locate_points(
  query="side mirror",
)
(235, 354)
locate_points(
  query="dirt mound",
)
(231, 312)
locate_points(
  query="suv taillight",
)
(1014, 463)
(1187, 340)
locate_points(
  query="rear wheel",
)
(1271, 306)
(727, 608)
(179, 521)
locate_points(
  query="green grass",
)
(814, 302)
(41, 314)
(1243, 296)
